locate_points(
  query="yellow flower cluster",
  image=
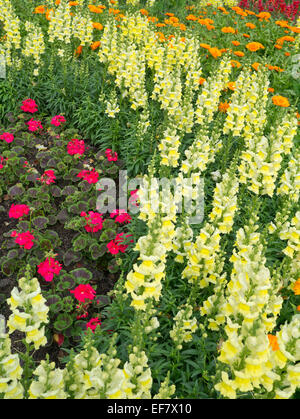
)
(11, 27)
(34, 42)
(291, 232)
(82, 28)
(29, 311)
(10, 370)
(49, 383)
(208, 100)
(60, 24)
(138, 376)
(184, 326)
(169, 147)
(203, 254)
(290, 179)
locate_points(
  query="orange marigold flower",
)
(48, 12)
(182, 27)
(235, 63)
(231, 85)
(254, 46)
(144, 12)
(95, 45)
(277, 46)
(223, 107)
(239, 53)
(206, 46)
(282, 23)
(283, 102)
(57, 2)
(281, 40)
(95, 9)
(201, 80)
(215, 52)
(271, 90)
(273, 342)
(287, 54)
(236, 43)
(192, 18)
(298, 308)
(245, 35)
(228, 29)
(97, 25)
(255, 66)
(294, 29)
(73, 3)
(264, 15)
(169, 14)
(249, 12)
(160, 25)
(40, 10)
(78, 50)
(296, 287)
(250, 25)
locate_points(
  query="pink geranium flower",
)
(75, 147)
(17, 211)
(83, 292)
(24, 239)
(48, 268)
(34, 125)
(121, 216)
(48, 177)
(91, 176)
(110, 155)
(7, 136)
(93, 323)
(94, 221)
(29, 105)
(58, 120)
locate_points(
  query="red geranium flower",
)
(24, 239)
(48, 268)
(93, 323)
(17, 211)
(6, 136)
(91, 176)
(29, 105)
(75, 147)
(83, 292)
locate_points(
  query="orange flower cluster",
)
(296, 287)
(280, 41)
(273, 342)
(254, 46)
(96, 9)
(280, 101)
(228, 29)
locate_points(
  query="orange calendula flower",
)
(206, 46)
(223, 107)
(48, 13)
(273, 342)
(57, 2)
(255, 66)
(228, 29)
(239, 53)
(287, 54)
(95, 9)
(281, 101)
(236, 43)
(97, 25)
(298, 308)
(271, 90)
(231, 85)
(296, 287)
(160, 25)
(215, 52)
(78, 51)
(281, 40)
(250, 25)
(40, 10)
(254, 46)
(245, 35)
(192, 18)
(169, 14)
(278, 46)
(73, 3)
(201, 80)
(95, 45)
(264, 15)
(235, 63)
(282, 23)
(144, 12)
